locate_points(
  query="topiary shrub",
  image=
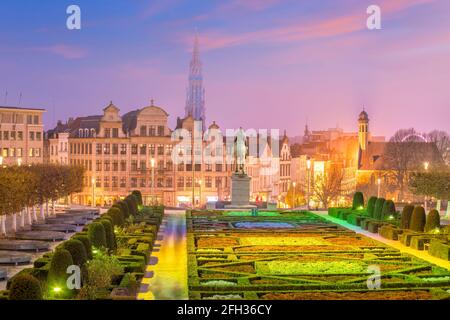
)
(57, 274)
(25, 287)
(87, 245)
(109, 232)
(77, 251)
(138, 196)
(358, 200)
(378, 211)
(406, 216)
(132, 204)
(97, 235)
(116, 216)
(122, 205)
(371, 206)
(418, 219)
(388, 210)
(433, 221)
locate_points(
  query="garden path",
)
(166, 274)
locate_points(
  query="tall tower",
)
(363, 130)
(195, 100)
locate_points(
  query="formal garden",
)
(105, 260)
(300, 255)
(411, 226)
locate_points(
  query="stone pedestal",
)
(240, 192)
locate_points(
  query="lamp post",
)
(426, 164)
(308, 168)
(152, 165)
(294, 202)
(19, 162)
(93, 192)
(200, 192)
(1, 161)
(379, 187)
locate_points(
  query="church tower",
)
(363, 130)
(195, 100)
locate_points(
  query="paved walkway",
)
(395, 244)
(166, 274)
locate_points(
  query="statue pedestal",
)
(240, 192)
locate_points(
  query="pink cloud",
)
(65, 51)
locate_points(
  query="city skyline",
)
(399, 72)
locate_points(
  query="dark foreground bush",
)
(25, 287)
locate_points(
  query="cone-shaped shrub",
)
(358, 200)
(123, 208)
(87, 245)
(406, 216)
(77, 251)
(388, 210)
(57, 274)
(433, 221)
(116, 216)
(97, 235)
(109, 232)
(25, 287)
(378, 211)
(138, 196)
(371, 206)
(132, 204)
(418, 219)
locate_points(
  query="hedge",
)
(25, 287)
(388, 210)
(358, 200)
(418, 219)
(116, 215)
(433, 221)
(57, 275)
(406, 216)
(87, 244)
(378, 212)
(97, 235)
(77, 251)
(371, 206)
(109, 233)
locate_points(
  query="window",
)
(12, 152)
(13, 135)
(218, 182)
(160, 149)
(169, 165)
(169, 149)
(106, 182)
(142, 165)
(218, 167)
(180, 166)
(123, 165)
(189, 182)
(169, 182)
(115, 182)
(38, 136)
(134, 149)
(115, 132)
(115, 148)
(133, 182)
(143, 131)
(115, 166)
(198, 167)
(123, 148)
(37, 152)
(99, 148)
(98, 165)
(30, 152)
(142, 183)
(180, 182)
(5, 152)
(107, 165)
(134, 165)
(80, 133)
(208, 182)
(123, 182)
(189, 167)
(107, 148)
(160, 131)
(107, 133)
(29, 119)
(208, 167)
(36, 119)
(98, 182)
(31, 136)
(161, 165)
(19, 152)
(143, 149)
(152, 131)
(160, 183)
(5, 135)
(151, 150)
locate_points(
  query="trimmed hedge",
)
(371, 206)
(388, 210)
(116, 215)
(418, 219)
(87, 244)
(109, 233)
(378, 212)
(25, 287)
(97, 235)
(138, 196)
(57, 274)
(406, 216)
(358, 200)
(433, 221)
(77, 251)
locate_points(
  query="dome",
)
(214, 125)
(363, 116)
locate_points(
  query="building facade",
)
(21, 136)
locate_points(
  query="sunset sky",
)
(266, 63)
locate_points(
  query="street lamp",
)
(379, 187)
(308, 168)
(294, 202)
(93, 192)
(19, 162)
(152, 165)
(200, 192)
(1, 161)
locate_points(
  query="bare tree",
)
(328, 186)
(442, 141)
